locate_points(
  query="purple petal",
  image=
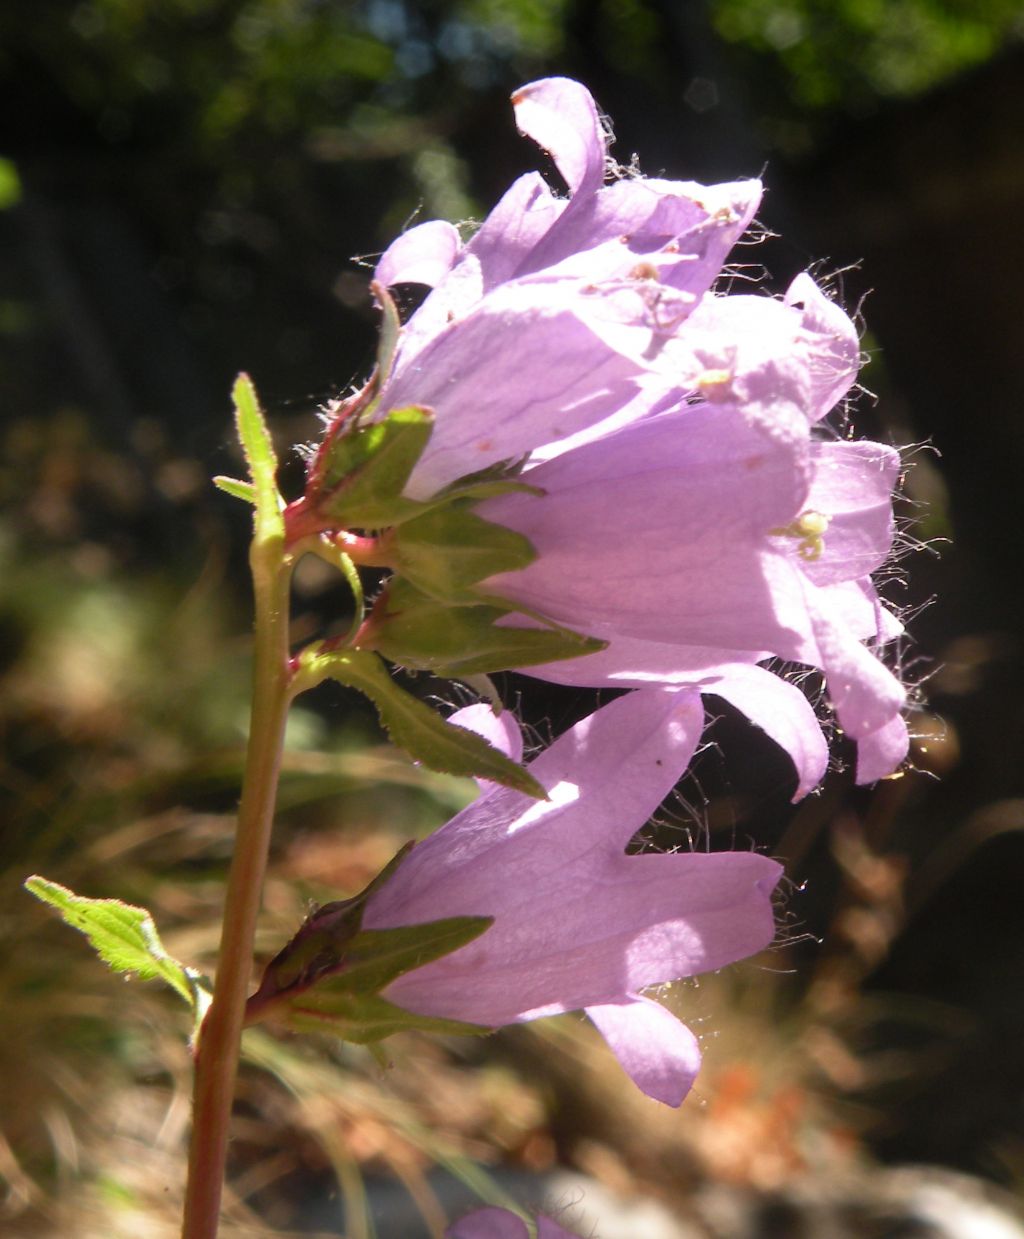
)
(622, 761)
(501, 730)
(779, 708)
(658, 532)
(423, 255)
(546, 376)
(737, 334)
(494, 256)
(661, 917)
(865, 694)
(781, 711)
(512, 231)
(881, 752)
(538, 868)
(561, 117)
(658, 1052)
(852, 484)
(857, 606)
(630, 663)
(489, 1223)
(679, 230)
(837, 355)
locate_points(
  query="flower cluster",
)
(683, 502)
(583, 458)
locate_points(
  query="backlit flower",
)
(578, 923)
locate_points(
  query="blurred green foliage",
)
(842, 53)
(226, 70)
(223, 81)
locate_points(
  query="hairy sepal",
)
(328, 978)
(446, 552)
(414, 630)
(367, 468)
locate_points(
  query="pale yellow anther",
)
(715, 385)
(809, 530)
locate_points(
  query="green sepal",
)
(125, 937)
(413, 726)
(484, 488)
(447, 551)
(365, 1018)
(413, 630)
(236, 488)
(320, 944)
(367, 468)
(328, 978)
(390, 331)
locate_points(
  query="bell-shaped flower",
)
(685, 504)
(702, 541)
(516, 346)
(578, 923)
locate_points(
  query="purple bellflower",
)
(578, 923)
(698, 546)
(516, 346)
(495, 1223)
(695, 515)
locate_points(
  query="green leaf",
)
(368, 466)
(425, 736)
(446, 551)
(261, 458)
(237, 488)
(252, 428)
(124, 937)
(10, 184)
(413, 630)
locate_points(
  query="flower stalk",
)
(219, 1040)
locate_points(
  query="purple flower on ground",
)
(495, 1223)
(577, 922)
(695, 515)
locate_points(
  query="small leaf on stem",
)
(258, 446)
(390, 330)
(237, 488)
(425, 736)
(124, 937)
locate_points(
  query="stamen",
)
(809, 528)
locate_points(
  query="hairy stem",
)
(220, 1038)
